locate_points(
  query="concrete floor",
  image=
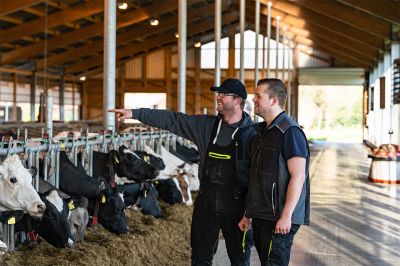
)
(354, 221)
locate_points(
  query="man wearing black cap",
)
(223, 142)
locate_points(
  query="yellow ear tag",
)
(71, 205)
(146, 158)
(103, 199)
(145, 193)
(11, 220)
(116, 160)
(62, 147)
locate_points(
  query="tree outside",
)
(331, 113)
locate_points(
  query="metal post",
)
(109, 63)
(32, 96)
(278, 19)
(289, 78)
(49, 113)
(182, 16)
(61, 98)
(242, 22)
(257, 22)
(217, 36)
(57, 170)
(269, 40)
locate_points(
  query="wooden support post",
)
(73, 100)
(168, 76)
(14, 113)
(231, 64)
(33, 95)
(144, 71)
(295, 84)
(122, 85)
(197, 80)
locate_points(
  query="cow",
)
(16, 190)
(78, 217)
(173, 170)
(111, 212)
(189, 155)
(143, 196)
(124, 163)
(75, 182)
(53, 226)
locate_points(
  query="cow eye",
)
(13, 179)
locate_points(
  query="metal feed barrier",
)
(49, 149)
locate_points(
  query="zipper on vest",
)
(273, 198)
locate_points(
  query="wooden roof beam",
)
(7, 6)
(126, 19)
(53, 20)
(309, 20)
(318, 35)
(388, 10)
(348, 15)
(125, 37)
(152, 43)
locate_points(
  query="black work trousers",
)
(273, 249)
(216, 210)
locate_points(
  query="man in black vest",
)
(278, 201)
(223, 142)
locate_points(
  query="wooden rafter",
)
(7, 6)
(152, 43)
(53, 20)
(349, 16)
(78, 35)
(122, 38)
(388, 10)
(322, 38)
(310, 20)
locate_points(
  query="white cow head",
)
(16, 190)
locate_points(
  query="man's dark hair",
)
(275, 88)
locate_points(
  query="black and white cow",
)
(125, 163)
(143, 196)
(53, 226)
(75, 182)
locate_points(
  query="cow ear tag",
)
(103, 199)
(146, 158)
(145, 193)
(116, 160)
(71, 205)
(11, 220)
(62, 147)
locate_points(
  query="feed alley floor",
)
(353, 221)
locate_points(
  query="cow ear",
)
(33, 171)
(84, 202)
(122, 148)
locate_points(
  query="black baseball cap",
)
(231, 86)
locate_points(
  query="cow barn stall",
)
(150, 241)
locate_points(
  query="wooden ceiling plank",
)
(350, 16)
(322, 36)
(149, 44)
(89, 31)
(53, 20)
(309, 20)
(124, 37)
(385, 9)
(7, 6)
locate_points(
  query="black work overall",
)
(219, 205)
